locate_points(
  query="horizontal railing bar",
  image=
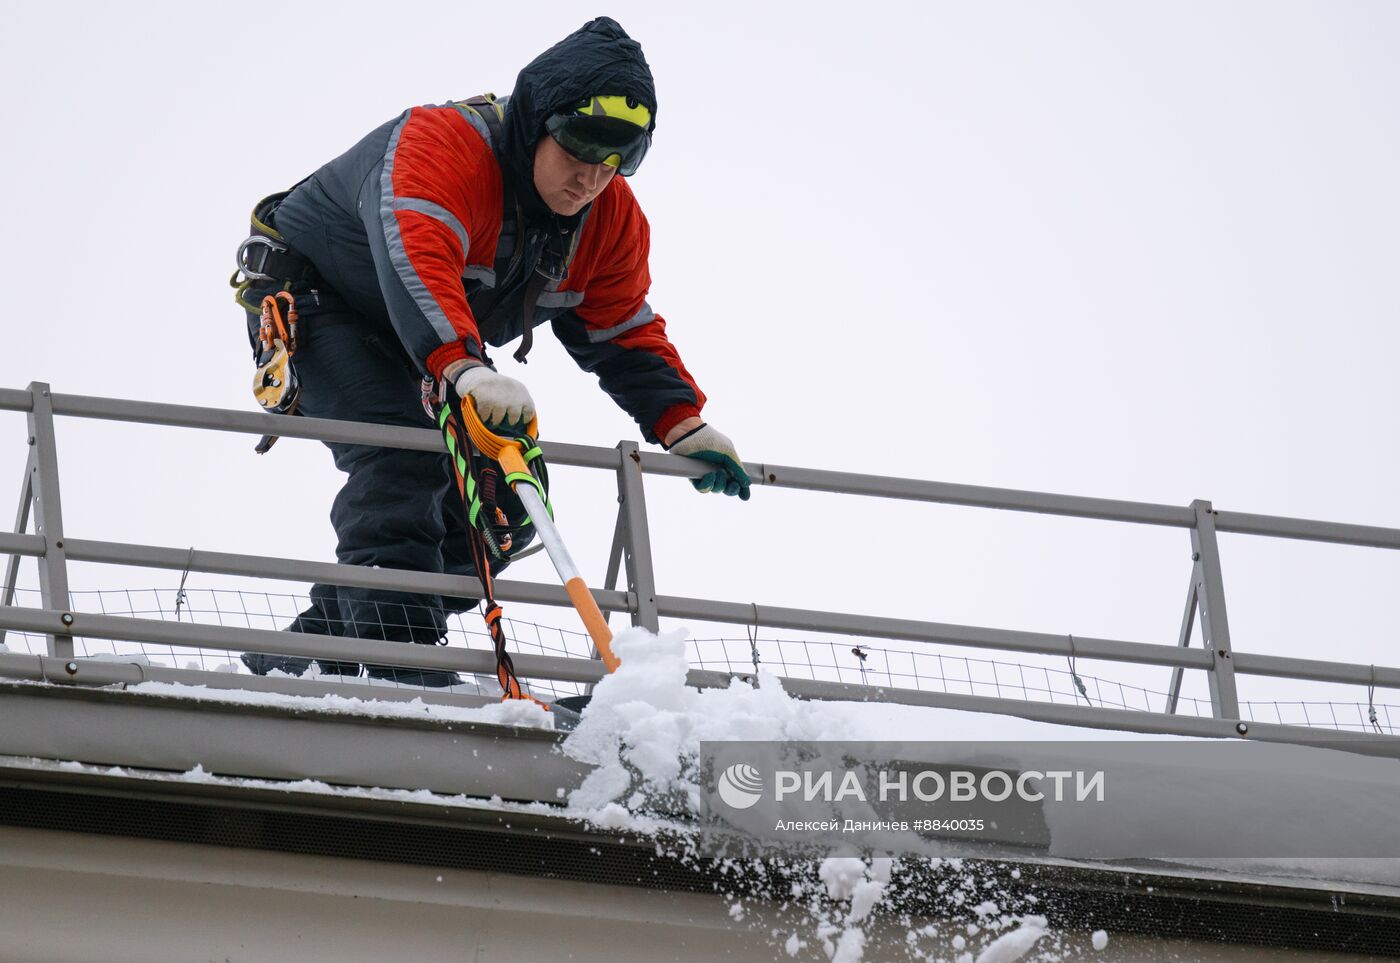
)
(1339, 533)
(424, 439)
(105, 672)
(838, 623)
(1096, 717)
(883, 486)
(247, 422)
(331, 573)
(777, 476)
(15, 399)
(589, 456)
(334, 648)
(296, 426)
(1316, 670)
(29, 545)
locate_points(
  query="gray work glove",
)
(499, 400)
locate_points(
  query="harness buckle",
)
(253, 254)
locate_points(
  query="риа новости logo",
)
(740, 786)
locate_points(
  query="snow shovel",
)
(508, 452)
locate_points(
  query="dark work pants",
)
(398, 508)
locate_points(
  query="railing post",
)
(1215, 625)
(615, 553)
(26, 498)
(48, 512)
(1188, 618)
(636, 545)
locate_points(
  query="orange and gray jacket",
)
(433, 221)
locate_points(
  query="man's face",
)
(564, 182)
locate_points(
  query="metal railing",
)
(630, 556)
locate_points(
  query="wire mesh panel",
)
(268, 611)
(866, 664)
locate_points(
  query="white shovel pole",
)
(564, 564)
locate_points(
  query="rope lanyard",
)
(462, 453)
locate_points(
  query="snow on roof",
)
(645, 721)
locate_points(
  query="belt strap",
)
(265, 255)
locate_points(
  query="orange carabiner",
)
(273, 327)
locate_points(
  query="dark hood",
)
(598, 58)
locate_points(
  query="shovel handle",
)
(593, 621)
(507, 452)
(574, 584)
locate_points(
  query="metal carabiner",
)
(274, 329)
(245, 256)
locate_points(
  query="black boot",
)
(310, 622)
(260, 663)
(427, 678)
(407, 619)
(314, 622)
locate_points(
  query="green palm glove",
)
(728, 476)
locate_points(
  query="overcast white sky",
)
(1136, 250)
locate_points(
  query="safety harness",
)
(265, 258)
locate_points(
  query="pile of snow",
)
(644, 720)
(642, 732)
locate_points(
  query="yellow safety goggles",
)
(610, 130)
